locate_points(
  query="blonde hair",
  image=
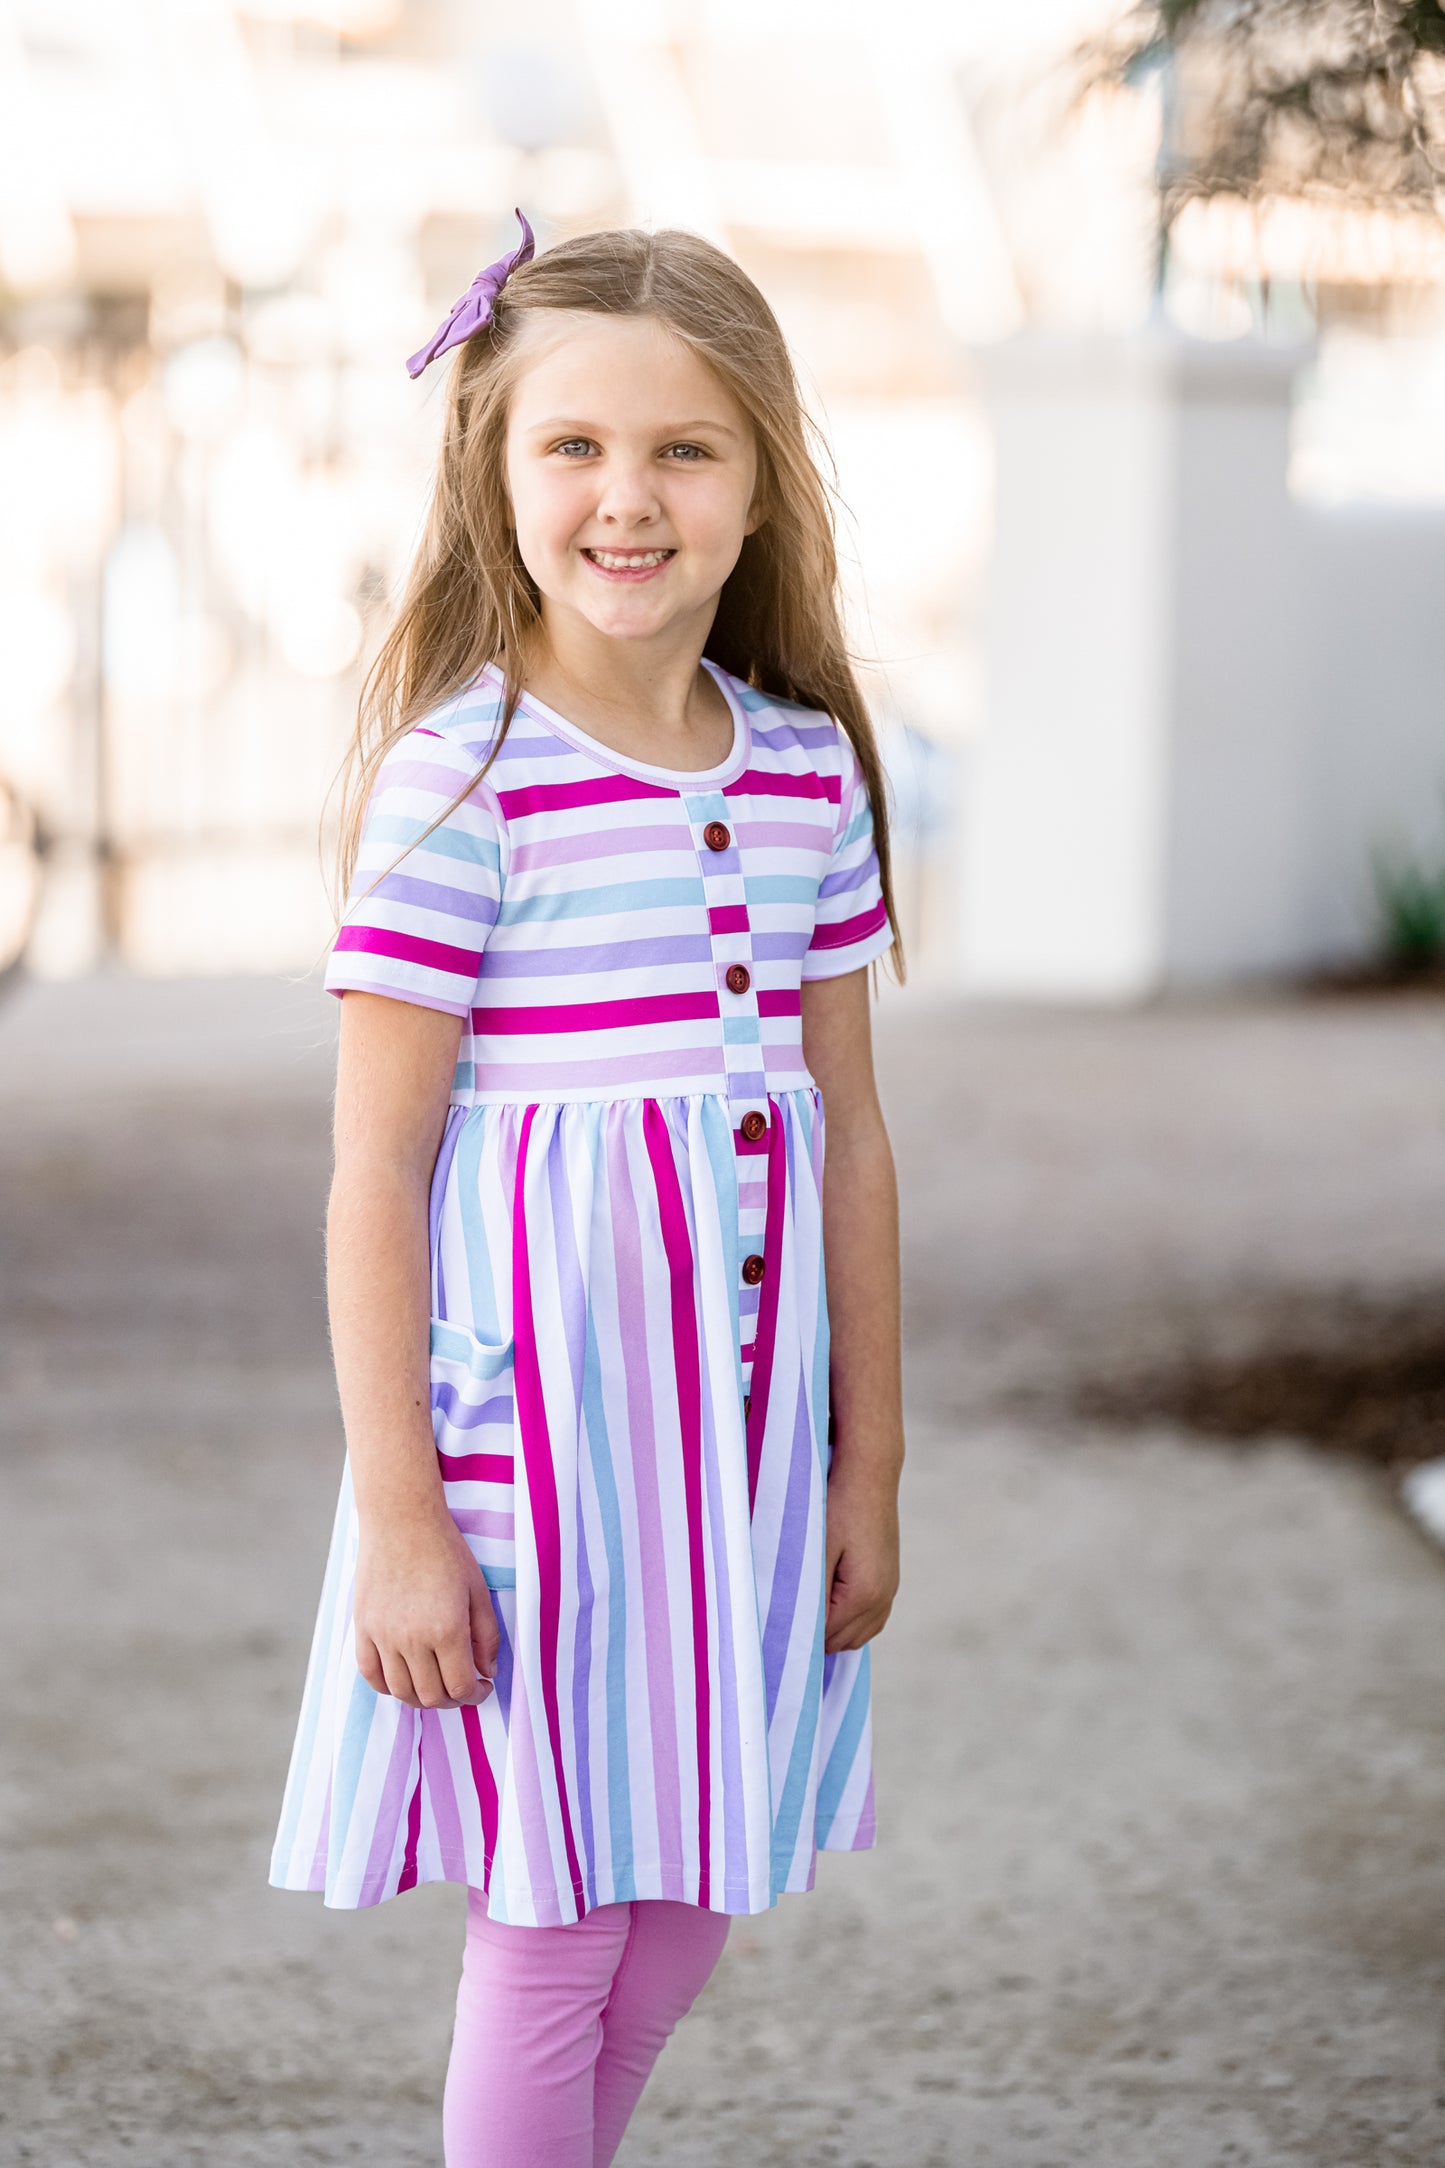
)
(469, 599)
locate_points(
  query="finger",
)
(843, 1597)
(486, 1634)
(459, 1674)
(426, 1677)
(368, 1663)
(398, 1677)
(855, 1631)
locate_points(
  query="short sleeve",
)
(850, 925)
(421, 905)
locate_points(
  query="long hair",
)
(469, 599)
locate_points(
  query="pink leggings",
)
(558, 2028)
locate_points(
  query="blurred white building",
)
(225, 223)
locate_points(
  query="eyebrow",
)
(585, 428)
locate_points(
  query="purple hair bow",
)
(475, 307)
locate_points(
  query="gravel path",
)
(1161, 1732)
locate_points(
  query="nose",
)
(628, 493)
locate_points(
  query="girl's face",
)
(631, 470)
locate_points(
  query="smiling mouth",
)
(628, 560)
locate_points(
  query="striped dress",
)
(629, 1338)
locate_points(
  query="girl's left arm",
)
(860, 1249)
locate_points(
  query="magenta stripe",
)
(780, 1001)
(485, 1782)
(541, 1486)
(477, 1467)
(850, 929)
(677, 1244)
(409, 948)
(600, 1015)
(559, 797)
(767, 1326)
(728, 917)
(759, 783)
(407, 1877)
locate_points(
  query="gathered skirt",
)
(629, 1387)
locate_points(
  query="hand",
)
(426, 1631)
(862, 1561)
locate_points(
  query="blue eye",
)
(694, 451)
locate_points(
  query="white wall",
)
(1061, 842)
(1376, 631)
(1203, 701)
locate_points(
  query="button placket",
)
(730, 939)
(714, 831)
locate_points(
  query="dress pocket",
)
(472, 1421)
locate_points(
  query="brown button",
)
(753, 1269)
(752, 1125)
(717, 836)
(739, 978)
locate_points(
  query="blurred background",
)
(1142, 540)
(1127, 330)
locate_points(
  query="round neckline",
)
(679, 779)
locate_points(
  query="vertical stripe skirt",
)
(632, 1432)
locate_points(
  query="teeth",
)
(615, 561)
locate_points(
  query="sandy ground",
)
(1160, 1724)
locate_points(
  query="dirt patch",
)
(1386, 977)
(1354, 1377)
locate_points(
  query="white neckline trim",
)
(678, 779)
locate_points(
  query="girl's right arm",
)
(423, 1613)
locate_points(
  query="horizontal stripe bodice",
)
(600, 930)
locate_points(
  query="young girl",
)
(618, 1519)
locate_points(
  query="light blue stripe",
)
(780, 887)
(318, 1673)
(790, 1809)
(789, 1816)
(722, 1155)
(834, 1780)
(741, 1031)
(622, 896)
(446, 841)
(483, 1358)
(481, 1282)
(498, 1576)
(809, 1119)
(361, 1714)
(860, 825)
(619, 1796)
